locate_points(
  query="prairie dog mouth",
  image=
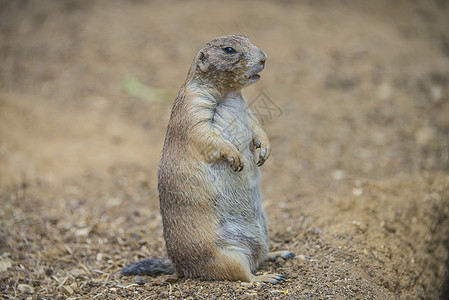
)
(255, 77)
(254, 73)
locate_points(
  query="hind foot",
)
(271, 278)
(284, 254)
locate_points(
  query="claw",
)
(263, 156)
(237, 168)
(261, 161)
(279, 278)
(272, 278)
(288, 255)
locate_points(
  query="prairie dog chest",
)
(233, 122)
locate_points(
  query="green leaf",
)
(144, 92)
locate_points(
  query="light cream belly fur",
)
(241, 219)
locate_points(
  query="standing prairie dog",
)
(208, 180)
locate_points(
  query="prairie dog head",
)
(230, 61)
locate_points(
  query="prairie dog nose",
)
(263, 57)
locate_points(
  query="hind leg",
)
(227, 265)
(234, 266)
(273, 278)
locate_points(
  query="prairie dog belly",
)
(241, 219)
(232, 121)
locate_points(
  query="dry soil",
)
(354, 98)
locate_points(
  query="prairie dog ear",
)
(201, 61)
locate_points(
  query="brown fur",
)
(208, 180)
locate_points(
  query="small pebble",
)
(357, 191)
(25, 288)
(139, 280)
(338, 175)
(171, 278)
(67, 290)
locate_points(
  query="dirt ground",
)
(358, 116)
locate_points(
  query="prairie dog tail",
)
(149, 267)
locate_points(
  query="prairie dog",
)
(208, 177)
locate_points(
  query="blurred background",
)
(360, 143)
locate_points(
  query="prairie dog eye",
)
(229, 50)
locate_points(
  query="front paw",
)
(235, 162)
(233, 156)
(227, 151)
(265, 150)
